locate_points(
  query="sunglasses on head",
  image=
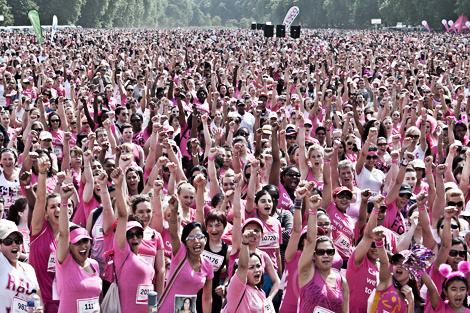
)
(370, 157)
(9, 241)
(453, 253)
(452, 226)
(329, 252)
(138, 234)
(457, 204)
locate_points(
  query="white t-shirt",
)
(372, 180)
(419, 153)
(15, 285)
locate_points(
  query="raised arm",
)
(40, 206)
(385, 276)
(291, 250)
(393, 194)
(122, 210)
(175, 239)
(439, 201)
(200, 184)
(237, 215)
(157, 216)
(63, 241)
(276, 165)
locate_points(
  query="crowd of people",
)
(229, 172)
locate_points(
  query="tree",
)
(5, 10)
(67, 13)
(92, 13)
(19, 10)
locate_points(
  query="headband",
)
(463, 269)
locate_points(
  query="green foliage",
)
(235, 13)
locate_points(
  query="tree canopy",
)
(236, 13)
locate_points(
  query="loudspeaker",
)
(253, 25)
(260, 26)
(295, 31)
(280, 31)
(268, 30)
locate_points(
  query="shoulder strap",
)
(243, 295)
(172, 279)
(95, 216)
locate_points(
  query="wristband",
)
(394, 161)
(159, 144)
(428, 172)
(301, 125)
(64, 204)
(45, 172)
(246, 244)
(326, 162)
(231, 131)
(283, 138)
(374, 211)
(211, 158)
(422, 209)
(379, 243)
(313, 212)
(297, 204)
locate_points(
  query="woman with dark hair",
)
(189, 270)
(135, 181)
(320, 286)
(19, 214)
(9, 176)
(133, 272)
(186, 306)
(55, 122)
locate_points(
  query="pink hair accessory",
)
(463, 269)
(372, 153)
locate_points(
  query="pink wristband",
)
(375, 211)
(211, 158)
(231, 131)
(326, 162)
(396, 161)
(284, 138)
(422, 209)
(301, 125)
(313, 212)
(64, 204)
(159, 144)
(428, 172)
(379, 243)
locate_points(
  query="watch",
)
(404, 162)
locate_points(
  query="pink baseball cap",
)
(253, 220)
(78, 234)
(132, 224)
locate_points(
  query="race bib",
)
(26, 243)
(91, 305)
(270, 240)
(149, 259)
(319, 309)
(142, 292)
(343, 243)
(216, 260)
(51, 263)
(268, 306)
(99, 232)
(58, 152)
(18, 305)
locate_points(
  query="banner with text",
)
(290, 16)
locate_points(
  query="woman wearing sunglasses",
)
(189, 270)
(134, 274)
(320, 286)
(367, 175)
(17, 279)
(78, 276)
(397, 289)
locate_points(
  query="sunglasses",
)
(405, 195)
(350, 143)
(346, 196)
(55, 121)
(194, 237)
(18, 240)
(370, 157)
(136, 121)
(457, 204)
(291, 137)
(38, 130)
(329, 252)
(129, 89)
(382, 144)
(73, 123)
(453, 253)
(413, 136)
(452, 226)
(139, 234)
(293, 175)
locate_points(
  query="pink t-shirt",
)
(77, 289)
(83, 209)
(342, 228)
(386, 301)
(363, 280)
(443, 307)
(285, 202)
(58, 144)
(135, 278)
(252, 300)
(317, 293)
(42, 257)
(272, 237)
(318, 184)
(148, 248)
(188, 281)
(290, 296)
(394, 219)
(437, 278)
